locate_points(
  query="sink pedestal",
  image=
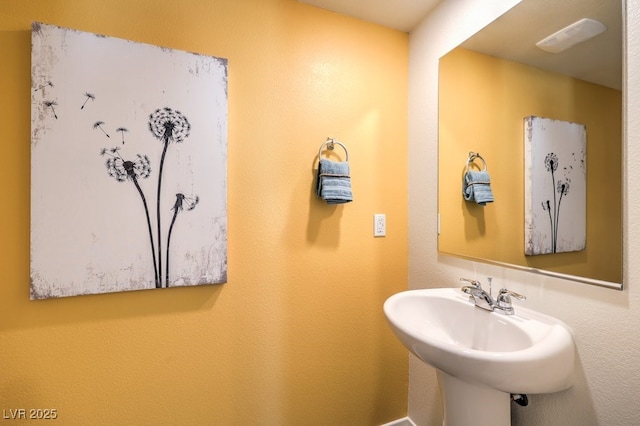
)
(472, 404)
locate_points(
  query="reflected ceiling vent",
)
(569, 36)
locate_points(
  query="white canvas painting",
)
(555, 186)
(128, 165)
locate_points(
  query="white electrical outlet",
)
(379, 225)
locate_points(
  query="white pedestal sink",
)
(482, 357)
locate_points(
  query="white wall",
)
(605, 322)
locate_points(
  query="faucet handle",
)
(503, 302)
(474, 283)
(506, 293)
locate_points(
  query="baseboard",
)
(405, 421)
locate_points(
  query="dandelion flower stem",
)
(556, 224)
(548, 209)
(146, 210)
(124, 170)
(167, 126)
(173, 221)
(164, 152)
(555, 211)
(181, 202)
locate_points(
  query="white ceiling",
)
(402, 15)
(514, 35)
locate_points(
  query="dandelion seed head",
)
(121, 169)
(551, 162)
(193, 202)
(183, 202)
(97, 124)
(116, 170)
(168, 125)
(142, 166)
(562, 187)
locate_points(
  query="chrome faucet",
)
(477, 295)
(485, 301)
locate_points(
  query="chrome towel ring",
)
(331, 145)
(472, 157)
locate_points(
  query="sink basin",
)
(517, 354)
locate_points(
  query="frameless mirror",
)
(487, 86)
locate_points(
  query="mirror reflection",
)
(487, 86)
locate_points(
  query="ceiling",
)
(402, 15)
(513, 36)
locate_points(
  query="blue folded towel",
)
(476, 186)
(334, 183)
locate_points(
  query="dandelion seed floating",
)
(98, 125)
(122, 130)
(88, 96)
(44, 86)
(51, 104)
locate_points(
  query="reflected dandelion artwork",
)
(555, 186)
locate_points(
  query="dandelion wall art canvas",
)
(555, 186)
(128, 165)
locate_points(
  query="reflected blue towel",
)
(334, 183)
(476, 186)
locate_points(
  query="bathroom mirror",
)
(487, 86)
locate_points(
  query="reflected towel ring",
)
(473, 156)
(331, 144)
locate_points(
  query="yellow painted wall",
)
(482, 103)
(297, 336)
